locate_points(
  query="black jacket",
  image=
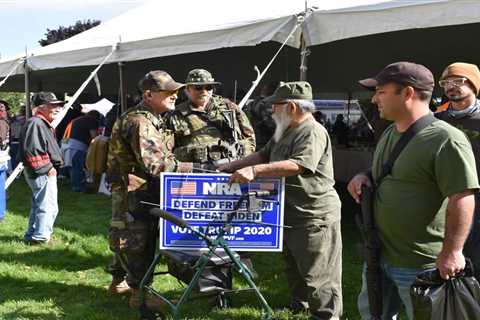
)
(38, 150)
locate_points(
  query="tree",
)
(63, 33)
(14, 99)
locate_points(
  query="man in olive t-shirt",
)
(300, 150)
(423, 208)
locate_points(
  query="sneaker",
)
(119, 286)
(153, 303)
(33, 242)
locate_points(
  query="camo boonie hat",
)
(159, 80)
(301, 90)
(200, 77)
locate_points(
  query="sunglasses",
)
(457, 82)
(169, 92)
(200, 87)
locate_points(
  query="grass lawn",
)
(68, 280)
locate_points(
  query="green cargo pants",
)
(313, 258)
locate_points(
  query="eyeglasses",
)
(456, 82)
(200, 87)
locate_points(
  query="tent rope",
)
(300, 19)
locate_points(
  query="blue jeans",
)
(44, 207)
(396, 291)
(78, 173)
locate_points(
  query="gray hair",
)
(304, 105)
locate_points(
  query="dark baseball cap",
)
(406, 73)
(43, 97)
(159, 80)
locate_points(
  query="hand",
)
(244, 175)
(52, 172)
(355, 185)
(450, 263)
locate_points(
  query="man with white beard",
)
(300, 150)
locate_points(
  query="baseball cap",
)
(406, 73)
(43, 97)
(200, 77)
(159, 80)
(301, 90)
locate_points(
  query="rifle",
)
(372, 252)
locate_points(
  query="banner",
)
(207, 201)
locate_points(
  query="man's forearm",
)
(283, 168)
(250, 160)
(458, 221)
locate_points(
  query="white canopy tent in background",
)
(165, 35)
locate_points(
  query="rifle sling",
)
(415, 128)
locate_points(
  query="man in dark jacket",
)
(41, 155)
(461, 84)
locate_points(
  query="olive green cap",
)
(299, 90)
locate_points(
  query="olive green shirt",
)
(410, 204)
(309, 197)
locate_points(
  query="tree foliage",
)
(14, 99)
(62, 33)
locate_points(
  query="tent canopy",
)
(347, 39)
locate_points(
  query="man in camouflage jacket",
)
(209, 128)
(139, 150)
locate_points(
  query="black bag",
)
(217, 275)
(434, 298)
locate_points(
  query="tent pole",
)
(123, 91)
(26, 71)
(304, 53)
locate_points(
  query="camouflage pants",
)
(116, 269)
(135, 248)
(313, 258)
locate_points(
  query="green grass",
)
(68, 280)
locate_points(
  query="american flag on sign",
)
(184, 187)
(262, 186)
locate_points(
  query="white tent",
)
(170, 30)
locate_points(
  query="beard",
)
(457, 98)
(282, 122)
(456, 95)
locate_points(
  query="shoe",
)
(153, 303)
(119, 286)
(33, 242)
(297, 307)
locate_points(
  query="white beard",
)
(282, 122)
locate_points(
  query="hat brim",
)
(203, 83)
(274, 99)
(56, 102)
(369, 83)
(173, 85)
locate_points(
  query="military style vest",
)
(221, 131)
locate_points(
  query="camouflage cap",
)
(159, 80)
(200, 77)
(300, 90)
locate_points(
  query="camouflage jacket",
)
(259, 112)
(221, 131)
(140, 149)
